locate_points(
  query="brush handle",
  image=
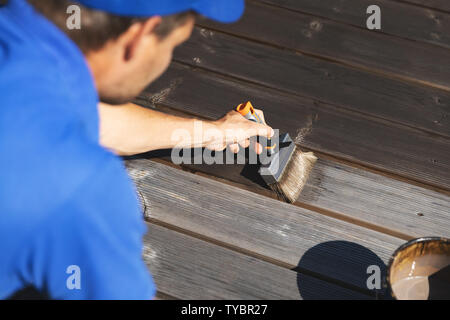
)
(248, 112)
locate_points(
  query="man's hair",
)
(98, 27)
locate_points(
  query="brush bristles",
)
(294, 176)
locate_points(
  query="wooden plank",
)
(436, 4)
(357, 195)
(317, 126)
(398, 19)
(378, 200)
(163, 296)
(365, 49)
(288, 235)
(189, 268)
(414, 105)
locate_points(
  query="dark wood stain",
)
(443, 5)
(366, 49)
(398, 19)
(414, 105)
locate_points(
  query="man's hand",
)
(237, 130)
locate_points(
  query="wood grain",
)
(289, 236)
(379, 200)
(436, 4)
(316, 125)
(413, 105)
(365, 49)
(161, 295)
(189, 268)
(398, 19)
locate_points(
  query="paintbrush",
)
(288, 169)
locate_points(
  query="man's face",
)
(124, 79)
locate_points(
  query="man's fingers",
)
(245, 144)
(234, 148)
(220, 146)
(258, 148)
(238, 130)
(262, 130)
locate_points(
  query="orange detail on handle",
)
(245, 108)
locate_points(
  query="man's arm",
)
(91, 246)
(130, 129)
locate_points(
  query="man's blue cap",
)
(225, 11)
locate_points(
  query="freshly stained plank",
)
(379, 200)
(397, 19)
(293, 236)
(317, 126)
(340, 42)
(187, 268)
(437, 4)
(414, 105)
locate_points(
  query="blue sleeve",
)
(91, 247)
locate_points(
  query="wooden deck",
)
(373, 105)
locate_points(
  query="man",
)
(70, 223)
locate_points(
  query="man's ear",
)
(136, 35)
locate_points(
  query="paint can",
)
(420, 270)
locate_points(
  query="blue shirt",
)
(70, 222)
